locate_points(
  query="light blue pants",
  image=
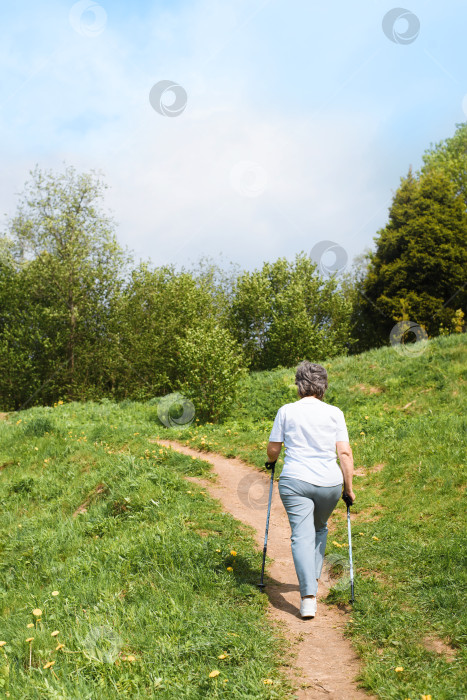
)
(308, 508)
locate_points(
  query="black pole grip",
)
(270, 465)
(347, 500)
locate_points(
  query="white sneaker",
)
(308, 607)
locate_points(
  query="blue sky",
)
(300, 117)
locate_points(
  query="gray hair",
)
(311, 379)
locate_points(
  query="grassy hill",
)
(407, 423)
(129, 562)
(146, 605)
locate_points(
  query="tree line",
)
(79, 320)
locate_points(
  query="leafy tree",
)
(418, 269)
(157, 308)
(21, 334)
(64, 245)
(220, 281)
(450, 157)
(286, 312)
(13, 367)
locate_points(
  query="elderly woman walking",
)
(311, 481)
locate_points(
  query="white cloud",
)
(171, 178)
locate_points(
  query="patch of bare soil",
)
(377, 467)
(324, 664)
(371, 513)
(363, 471)
(366, 389)
(3, 416)
(439, 647)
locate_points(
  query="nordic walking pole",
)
(268, 465)
(346, 499)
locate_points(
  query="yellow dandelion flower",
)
(37, 612)
(361, 533)
(375, 538)
(31, 624)
(218, 550)
(59, 646)
(225, 680)
(229, 568)
(233, 552)
(131, 658)
(2, 644)
(366, 417)
(222, 656)
(49, 664)
(188, 491)
(213, 674)
(54, 633)
(54, 592)
(399, 669)
(36, 448)
(336, 543)
(426, 697)
(267, 681)
(30, 639)
(362, 432)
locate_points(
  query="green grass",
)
(141, 574)
(407, 425)
(138, 573)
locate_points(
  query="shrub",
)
(211, 364)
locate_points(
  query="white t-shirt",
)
(309, 429)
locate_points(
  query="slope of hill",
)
(406, 415)
(146, 605)
(120, 578)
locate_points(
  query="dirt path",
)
(325, 665)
